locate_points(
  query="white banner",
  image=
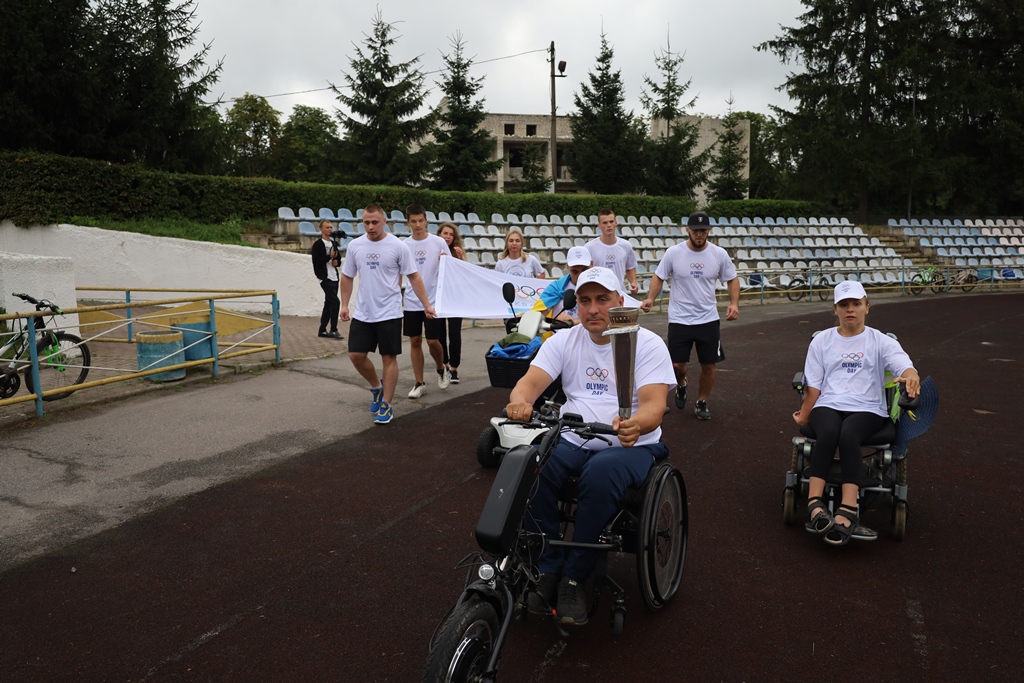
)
(465, 290)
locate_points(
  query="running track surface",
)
(338, 564)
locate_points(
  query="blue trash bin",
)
(157, 350)
(199, 335)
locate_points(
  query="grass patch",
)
(228, 232)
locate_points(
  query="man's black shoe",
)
(681, 397)
(330, 335)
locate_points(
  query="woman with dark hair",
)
(450, 334)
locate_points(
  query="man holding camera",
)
(326, 260)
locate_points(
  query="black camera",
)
(336, 247)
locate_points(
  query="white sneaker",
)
(417, 390)
(444, 378)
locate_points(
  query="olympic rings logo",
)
(421, 252)
(526, 292)
(697, 266)
(599, 374)
(373, 257)
(857, 355)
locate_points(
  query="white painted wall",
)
(43, 277)
(108, 258)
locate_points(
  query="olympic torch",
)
(622, 329)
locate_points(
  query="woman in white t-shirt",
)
(844, 404)
(515, 261)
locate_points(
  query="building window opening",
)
(531, 130)
(510, 129)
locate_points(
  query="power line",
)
(426, 73)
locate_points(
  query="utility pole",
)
(554, 119)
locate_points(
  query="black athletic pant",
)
(332, 305)
(845, 431)
(450, 336)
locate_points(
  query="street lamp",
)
(554, 122)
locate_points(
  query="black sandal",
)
(822, 521)
(840, 534)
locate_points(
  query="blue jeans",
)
(604, 475)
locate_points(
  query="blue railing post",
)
(128, 312)
(33, 356)
(213, 340)
(276, 307)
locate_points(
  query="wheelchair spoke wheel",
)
(663, 534)
(63, 362)
(464, 645)
(485, 445)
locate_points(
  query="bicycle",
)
(926, 277)
(965, 279)
(798, 289)
(64, 358)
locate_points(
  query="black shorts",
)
(706, 337)
(417, 324)
(368, 337)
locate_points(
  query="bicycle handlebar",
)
(570, 421)
(41, 304)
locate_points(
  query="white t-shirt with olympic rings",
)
(588, 377)
(691, 299)
(850, 371)
(427, 254)
(378, 265)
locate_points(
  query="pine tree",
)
(673, 168)
(729, 161)
(607, 156)
(463, 149)
(534, 179)
(383, 98)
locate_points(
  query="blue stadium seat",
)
(327, 215)
(286, 213)
(307, 228)
(306, 214)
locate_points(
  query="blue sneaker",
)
(378, 399)
(383, 415)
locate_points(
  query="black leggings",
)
(846, 431)
(450, 335)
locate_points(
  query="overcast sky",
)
(271, 47)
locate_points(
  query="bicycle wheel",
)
(916, 285)
(822, 287)
(464, 645)
(796, 290)
(969, 282)
(63, 362)
(938, 284)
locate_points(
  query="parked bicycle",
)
(965, 279)
(798, 288)
(64, 358)
(926, 277)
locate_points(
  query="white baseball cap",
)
(599, 276)
(578, 256)
(850, 289)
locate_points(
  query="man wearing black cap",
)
(694, 266)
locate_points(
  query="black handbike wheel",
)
(63, 362)
(485, 445)
(664, 525)
(464, 646)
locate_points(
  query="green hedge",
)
(774, 208)
(44, 188)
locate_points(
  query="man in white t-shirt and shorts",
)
(694, 266)
(582, 357)
(427, 251)
(611, 251)
(379, 259)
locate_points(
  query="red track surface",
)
(338, 564)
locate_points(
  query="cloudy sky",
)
(271, 48)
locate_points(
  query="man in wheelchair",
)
(845, 405)
(582, 356)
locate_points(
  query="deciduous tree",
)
(253, 128)
(308, 148)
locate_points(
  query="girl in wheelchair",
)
(844, 405)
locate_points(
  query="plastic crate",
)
(505, 372)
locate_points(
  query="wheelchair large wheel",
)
(900, 509)
(464, 645)
(664, 524)
(789, 505)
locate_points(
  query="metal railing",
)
(229, 334)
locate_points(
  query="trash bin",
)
(196, 339)
(160, 349)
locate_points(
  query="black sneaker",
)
(572, 602)
(681, 397)
(701, 410)
(453, 376)
(541, 600)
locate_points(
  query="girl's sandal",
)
(821, 519)
(840, 534)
